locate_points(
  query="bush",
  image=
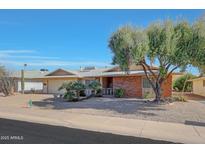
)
(95, 86)
(119, 92)
(73, 90)
(69, 96)
(6, 82)
(179, 83)
(7, 85)
(99, 93)
(82, 93)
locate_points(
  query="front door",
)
(108, 86)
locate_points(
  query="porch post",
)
(101, 81)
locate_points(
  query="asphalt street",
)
(20, 132)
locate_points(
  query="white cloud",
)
(16, 51)
(60, 63)
(25, 57)
(22, 54)
(30, 57)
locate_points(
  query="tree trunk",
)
(183, 89)
(157, 91)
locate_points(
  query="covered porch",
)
(106, 82)
(107, 85)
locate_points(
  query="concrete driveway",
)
(178, 112)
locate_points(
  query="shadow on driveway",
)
(33, 133)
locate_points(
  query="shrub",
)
(96, 87)
(82, 93)
(119, 92)
(99, 93)
(70, 96)
(179, 83)
(77, 86)
(6, 82)
(73, 90)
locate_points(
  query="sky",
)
(69, 39)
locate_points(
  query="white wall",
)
(54, 84)
(29, 85)
(198, 87)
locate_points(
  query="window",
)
(203, 83)
(146, 83)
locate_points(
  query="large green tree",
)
(168, 44)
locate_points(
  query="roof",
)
(32, 74)
(91, 73)
(65, 72)
(179, 73)
(62, 73)
(198, 78)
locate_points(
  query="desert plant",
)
(7, 85)
(95, 86)
(72, 88)
(99, 93)
(6, 82)
(78, 86)
(82, 93)
(2, 71)
(69, 95)
(119, 92)
(181, 83)
(66, 85)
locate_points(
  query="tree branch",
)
(150, 70)
(171, 71)
(145, 70)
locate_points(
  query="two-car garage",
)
(52, 85)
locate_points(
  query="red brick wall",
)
(167, 87)
(131, 84)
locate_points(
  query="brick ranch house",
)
(135, 83)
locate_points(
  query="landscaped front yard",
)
(46, 105)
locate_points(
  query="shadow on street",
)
(12, 131)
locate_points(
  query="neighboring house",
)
(32, 80)
(198, 85)
(177, 75)
(134, 83)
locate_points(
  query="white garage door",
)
(30, 86)
(53, 86)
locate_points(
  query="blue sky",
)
(69, 38)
